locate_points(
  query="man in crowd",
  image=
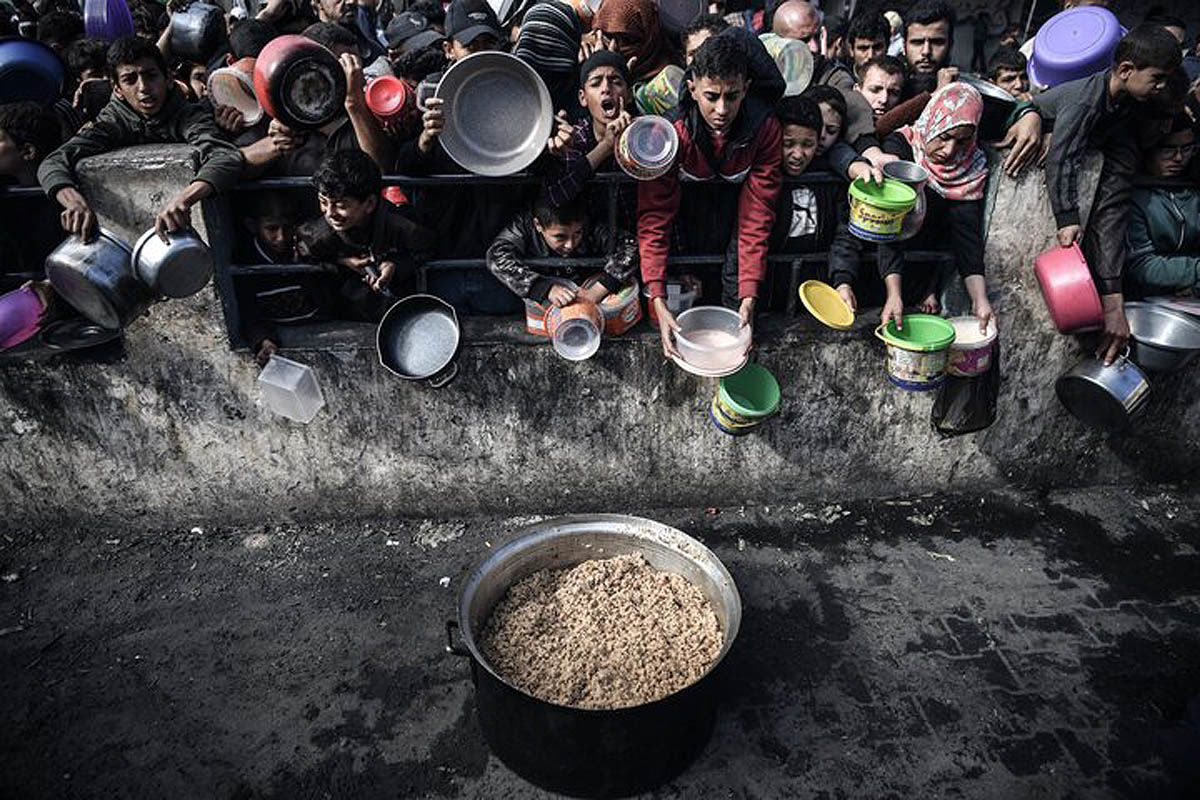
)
(1007, 70)
(146, 108)
(881, 82)
(928, 42)
(697, 33)
(471, 27)
(356, 18)
(800, 20)
(867, 39)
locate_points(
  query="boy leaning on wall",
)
(1107, 111)
(147, 108)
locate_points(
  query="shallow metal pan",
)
(498, 114)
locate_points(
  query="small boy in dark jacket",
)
(728, 135)
(372, 239)
(808, 219)
(1107, 111)
(550, 231)
(148, 108)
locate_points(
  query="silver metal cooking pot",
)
(1162, 340)
(913, 175)
(178, 267)
(97, 279)
(592, 752)
(1103, 397)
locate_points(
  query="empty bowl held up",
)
(712, 337)
(1162, 340)
(178, 267)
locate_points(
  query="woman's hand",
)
(893, 310)
(667, 326)
(561, 295)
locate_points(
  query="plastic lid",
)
(652, 141)
(922, 332)
(824, 303)
(891, 195)
(1077, 35)
(387, 95)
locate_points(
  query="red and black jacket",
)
(750, 154)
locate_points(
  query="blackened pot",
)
(593, 752)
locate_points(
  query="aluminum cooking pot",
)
(197, 32)
(914, 176)
(593, 752)
(299, 82)
(179, 267)
(29, 70)
(1103, 397)
(418, 338)
(997, 106)
(1163, 340)
(97, 279)
(498, 113)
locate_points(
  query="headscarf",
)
(549, 42)
(952, 106)
(637, 18)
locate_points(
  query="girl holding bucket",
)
(943, 142)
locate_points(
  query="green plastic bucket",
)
(917, 355)
(749, 395)
(922, 332)
(877, 210)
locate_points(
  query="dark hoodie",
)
(750, 155)
(119, 125)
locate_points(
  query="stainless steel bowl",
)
(498, 113)
(1162, 340)
(178, 267)
(1103, 397)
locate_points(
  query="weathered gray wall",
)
(174, 433)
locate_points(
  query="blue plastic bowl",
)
(29, 70)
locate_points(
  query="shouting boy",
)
(727, 134)
(147, 108)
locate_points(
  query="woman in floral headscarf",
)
(943, 141)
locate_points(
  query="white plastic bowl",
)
(712, 337)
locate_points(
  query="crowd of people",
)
(884, 87)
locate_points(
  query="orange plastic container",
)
(621, 310)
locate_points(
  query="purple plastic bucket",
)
(107, 19)
(20, 316)
(1074, 44)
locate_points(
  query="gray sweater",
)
(119, 125)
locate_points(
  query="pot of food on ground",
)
(593, 641)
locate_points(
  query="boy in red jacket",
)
(727, 134)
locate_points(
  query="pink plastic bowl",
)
(1068, 289)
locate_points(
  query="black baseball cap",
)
(467, 20)
(410, 31)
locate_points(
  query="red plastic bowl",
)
(1068, 289)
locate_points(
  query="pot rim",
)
(521, 538)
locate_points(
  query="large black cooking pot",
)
(198, 32)
(97, 279)
(590, 752)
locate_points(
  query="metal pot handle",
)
(452, 646)
(443, 377)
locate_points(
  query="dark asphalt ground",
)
(1002, 646)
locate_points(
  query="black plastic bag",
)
(966, 405)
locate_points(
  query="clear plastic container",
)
(711, 337)
(290, 389)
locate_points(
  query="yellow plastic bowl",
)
(824, 303)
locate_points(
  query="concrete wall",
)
(174, 433)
